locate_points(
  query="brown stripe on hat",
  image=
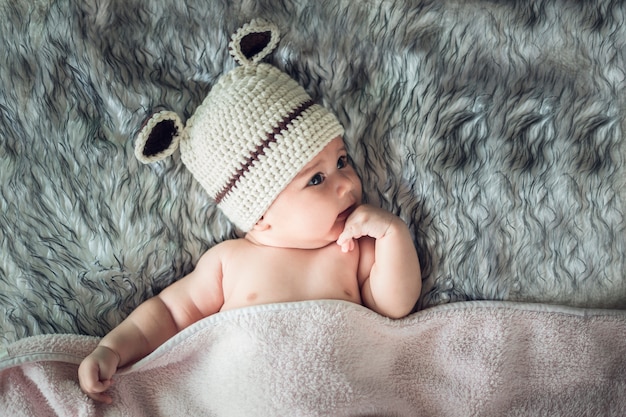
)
(260, 148)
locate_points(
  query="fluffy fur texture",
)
(494, 128)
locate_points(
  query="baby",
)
(277, 166)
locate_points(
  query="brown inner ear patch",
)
(160, 138)
(253, 43)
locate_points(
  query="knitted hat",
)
(255, 130)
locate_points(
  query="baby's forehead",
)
(334, 147)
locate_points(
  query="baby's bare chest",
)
(282, 275)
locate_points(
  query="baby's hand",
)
(365, 220)
(95, 373)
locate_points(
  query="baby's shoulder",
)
(217, 256)
(226, 249)
(231, 244)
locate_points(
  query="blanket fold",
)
(336, 358)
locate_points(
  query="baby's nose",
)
(345, 184)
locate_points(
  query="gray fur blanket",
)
(494, 128)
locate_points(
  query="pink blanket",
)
(330, 358)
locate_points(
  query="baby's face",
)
(312, 210)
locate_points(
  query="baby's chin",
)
(321, 243)
(316, 245)
(311, 242)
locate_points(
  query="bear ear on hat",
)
(254, 41)
(159, 137)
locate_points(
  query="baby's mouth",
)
(346, 213)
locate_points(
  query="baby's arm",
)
(389, 268)
(186, 301)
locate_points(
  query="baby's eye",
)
(317, 179)
(342, 162)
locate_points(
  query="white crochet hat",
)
(255, 130)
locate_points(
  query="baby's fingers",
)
(102, 397)
(97, 391)
(347, 237)
(93, 381)
(347, 245)
(368, 221)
